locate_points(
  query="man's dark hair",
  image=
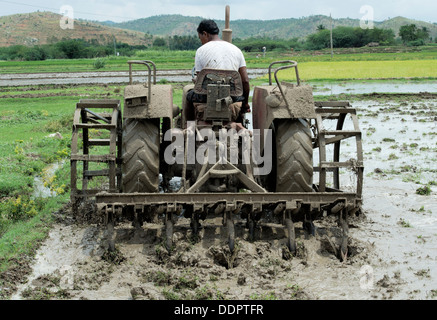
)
(209, 26)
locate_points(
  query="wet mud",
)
(392, 244)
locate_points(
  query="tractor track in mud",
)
(73, 263)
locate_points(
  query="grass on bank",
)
(26, 151)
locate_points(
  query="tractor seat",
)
(214, 76)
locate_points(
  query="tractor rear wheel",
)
(140, 167)
(294, 154)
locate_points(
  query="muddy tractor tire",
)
(140, 149)
(294, 150)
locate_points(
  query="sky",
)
(124, 10)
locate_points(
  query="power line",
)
(57, 9)
(28, 5)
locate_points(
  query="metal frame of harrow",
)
(98, 115)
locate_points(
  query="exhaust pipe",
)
(227, 32)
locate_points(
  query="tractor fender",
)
(268, 104)
(138, 105)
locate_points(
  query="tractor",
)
(287, 160)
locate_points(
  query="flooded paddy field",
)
(102, 77)
(393, 243)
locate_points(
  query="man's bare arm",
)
(246, 87)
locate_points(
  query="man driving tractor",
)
(216, 53)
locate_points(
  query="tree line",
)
(413, 35)
(342, 37)
(67, 49)
(349, 37)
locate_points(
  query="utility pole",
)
(115, 48)
(332, 50)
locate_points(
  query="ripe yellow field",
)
(327, 70)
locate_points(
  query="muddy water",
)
(400, 149)
(319, 88)
(393, 252)
(65, 247)
(27, 79)
(408, 253)
(41, 190)
(360, 87)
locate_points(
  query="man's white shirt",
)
(219, 55)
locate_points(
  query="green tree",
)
(73, 49)
(349, 37)
(345, 37)
(35, 53)
(184, 43)
(411, 33)
(318, 40)
(423, 33)
(408, 33)
(256, 44)
(382, 36)
(159, 42)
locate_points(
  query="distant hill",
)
(43, 27)
(169, 25)
(39, 28)
(163, 25)
(397, 22)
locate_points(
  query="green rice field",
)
(317, 65)
(336, 70)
